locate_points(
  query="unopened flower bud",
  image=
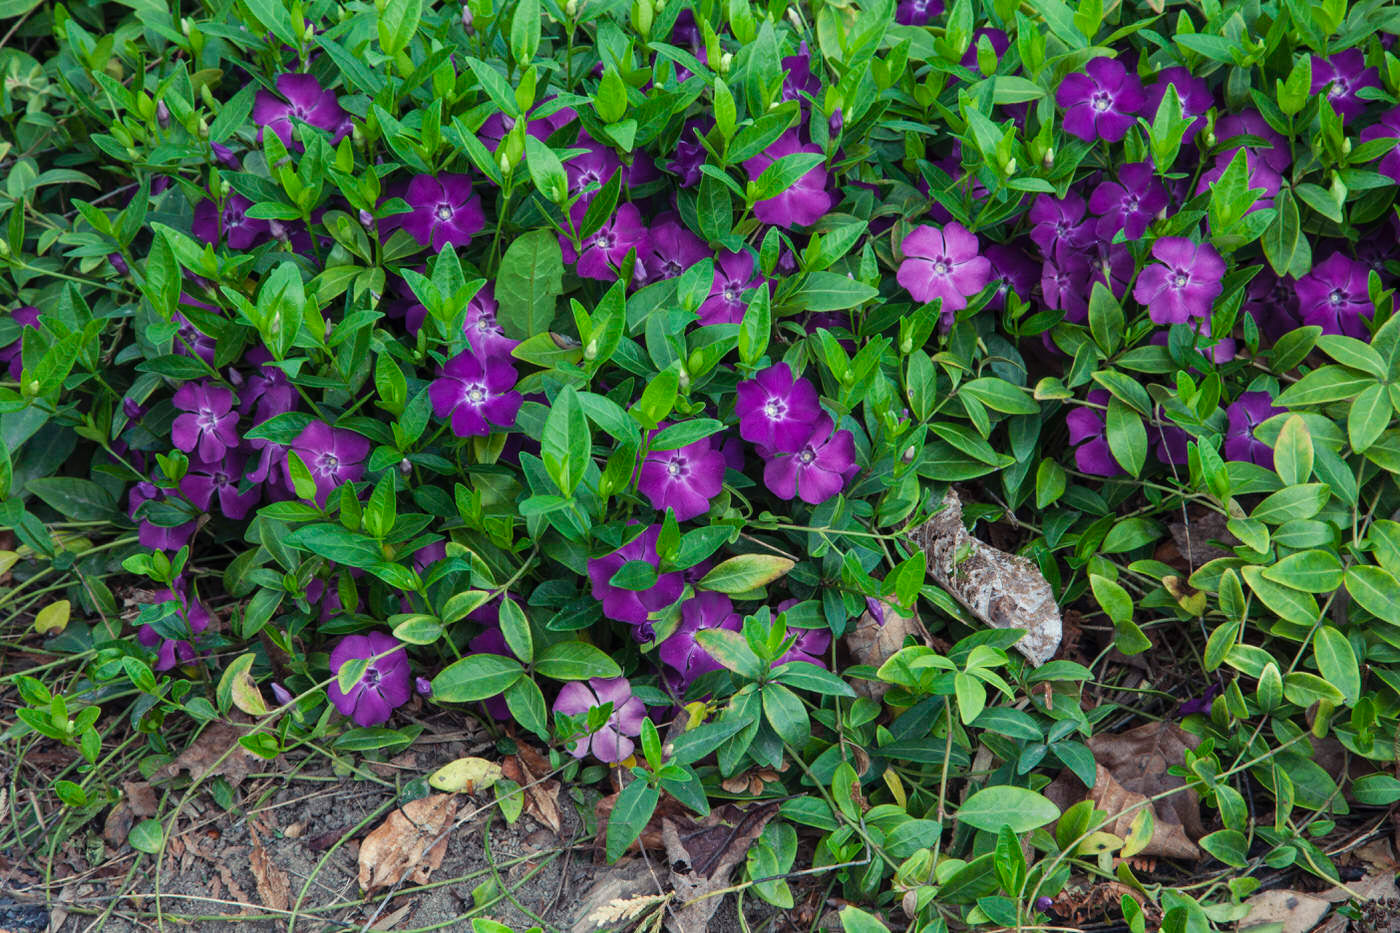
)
(162, 114)
(405, 467)
(685, 378)
(1011, 166)
(203, 128)
(571, 9)
(185, 26)
(309, 32)
(795, 18)
(725, 61)
(906, 346)
(1048, 162)
(366, 218)
(1346, 146)
(4, 248)
(279, 231)
(424, 686)
(466, 17)
(118, 263)
(835, 122)
(281, 694)
(591, 351)
(32, 388)
(505, 164)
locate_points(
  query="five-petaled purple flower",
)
(1387, 127)
(1101, 101)
(591, 169)
(383, 687)
(173, 651)
(1246, 413)
(680, 651)
(10, 358)
(208, 420)
(238, 230)
(1128, 204)
(1089, 439)
(476, 394)
(157, 537)
(1058, 225)
(633, 606)
(777, 409)
(917, 12)
(304, 101)
(1012, 271)
(1193, 93)
(802, 203)
(602, 252)
(683, 480)
(734, 274)
(613, 742)
(333, 455)
(818, 469)
(444, 210)
(1344, 75)
(670, 250)
(1335, 296)
(206, 480)
(945, 264)
(482, 329)
(1182, 283)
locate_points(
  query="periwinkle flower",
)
(153, 536)
(382, 688)
(237, 229)
(997, 38)
(190, 340)
(633, 606)
(776, 409)
(798, 80)
(303, 100)
(670, 249)
(1169, 441)
(802, 203)
(1335, 296)
(593, 168)
(1059, 225)
(444, 209)
(943, 264)
(267, 391)
(1203, 703)
(689, 153)
(917, 12)
(1129, 204)
(476, 394)
(818, 469)
(680, 651)
(735, 273)
(119, 264)
(603, 251)
(811, 645)
(1088, 436)
(613, 742)
(173, 651)
(1343, 76)
(483, 331)
(1114, 266)
(683, 480)
(1101, 101)
(1387, 127)
(1063, 285)
(206, 480)
(10, 356)
(333, 455)
(1262, 179)
(1012, 271)
(1273, 303)
(1182, 283)
(1274, 149)
(1193, 93)
(207, 423)
(1245, 414)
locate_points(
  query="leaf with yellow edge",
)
(1139, 833)
(7, 560)
(246, 695)
(896, 787)
(465, 776)
(53, 617)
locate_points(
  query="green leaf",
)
(1301, 501)
(1293, 452)
(1376, 591)
(744, 573)
(1368, 416)
(527, 706)
(971, 695)
(1127, 436)
(80, 500)
(525, 31)
(1325, 384)
(731, 650)
(806, 676)
(1000, 395)
(1116, 602)
(1105, 319)
(1336, 662)
(567, 443)
(1006, 805)
(1376, 790)
(782, 173)
(546, 171)
(531, 277)
(855, 920)
(398, 21)
(476, 677)
(629, 817)
(830, 291)
(1309, 571)
(684, 433)
(1297, 607)
(516, 629)
(147, 836)
(786, 714)
(575, 660)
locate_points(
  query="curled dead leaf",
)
(526, 768)
(205, 757)
(702, 854)
(874, 639)
(274, 887)
(465, 776)
(410, 843)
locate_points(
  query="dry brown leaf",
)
(141, 797)
(621, 883)
(118, 824)
(1298, 912)
(202, 759)
(525, 768)
(874, 640)
(1003, 590)
(409, 844)
(1192, 538)
(701, 856)
(1169, 840)
(274, 887)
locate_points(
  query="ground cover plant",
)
(930, 463)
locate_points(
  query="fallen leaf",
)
(53, 617)
(118, 824)
(525, 768)
(1003, 590)
(1169, 840)
(410, 843)
(465, 776)
(623, 884)
(274, 887)
(141, 797)
(701, 856)
(1192, 538)
(1298, 912)
(874, 639)
(206, 756)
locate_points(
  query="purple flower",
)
(1193, 92)
(444, 210)
(680, 651)
(157, 537)
(172, 651)
(333, 455)
(798, 80)
(475, 395)
(1262, 178)
(1344, 75)
(423, 686)
(1246, 413)
(810, 646)
(1128, 204)
(382, 688)
(684, 480)
(633, 606)
(1101, 101)
(1012, 271)
(670, 249)
(917, 12)
(239, 231)
(1058, 225)
(1114, 267)
(734, 275)
(119, 263)
(818, 469)
(776, 409)
(998, 39)
(591, 169)
(190, 340)
(10, 358)
(1062, 285)
(1335, 296)
(208, 420)
(205, 480)
(612, 743)
(1182, 283)
(1168, 441)
(281, 694)
(1388, 127)
(1088, 437)
(943, 264)
(1273, 303)
(802, 203)
(305, 102)
(483, 332)
(604, 250)
(266, 392)
(689, 153)
(1275, 151)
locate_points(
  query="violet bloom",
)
(670, 249)
(798, 81)
(266, 392)
(613, 742)
(1274, 150)
(383, 687)
(633, 606)
(689, 153)
(444, 210)
(1114, 266)
(604, 250)
(998, 40)
(734, 274)
(591, 169)
(684, 480)
(190, 340)
(943, 264)
(681, 652)
(206, 480)
(1182, 283)
(802, 203)
(1168, 440)
(917, 12)
(811, 645)
(208, 420)
(1062, 285)
(1059, 225)
(1012, 271)
(776, 409)
(1194, 94)
(818, 469)
(10, 356)
(1246, 413)
(1273, 303)
(237, 229)
(1262, 179)
(483, 332)
(476, 394)
(1335, 296)
(1088, 436)
(1129, 204)
(1388, 127)
(1101, 101)
(1344, 75)
(303, 101)
(173, 651)
(153, 536)
(1201, 704)
(333, 455)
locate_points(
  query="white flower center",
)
(1336, 296)
(476, 393)
(444, 211)
(775, 409)
(807, 455)
(1101, 101)
(1180, 279)
(941, 266)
